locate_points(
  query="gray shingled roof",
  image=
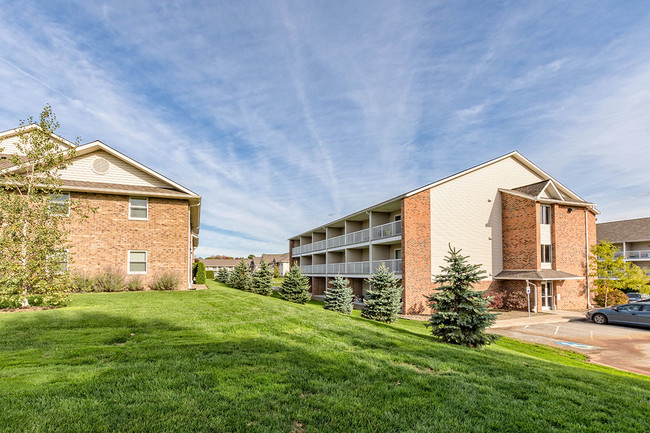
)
(279, 258)
(533, 189)
(544, 274)
(626, 230)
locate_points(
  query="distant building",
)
(632, 237)
(281, 260)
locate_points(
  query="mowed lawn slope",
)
(224, 360)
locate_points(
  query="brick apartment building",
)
(632, 237)
(522, 226)
(144, 224)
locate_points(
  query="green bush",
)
(295, 287)
(135, 284)
(199, 276)
(10, 301)
(80, 283)
(209, 275)
(110, 280)
(166, 281)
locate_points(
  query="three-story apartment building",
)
(632, 237)
(523, 227)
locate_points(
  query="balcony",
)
(352, 268)
(635, 255)
(383, 231)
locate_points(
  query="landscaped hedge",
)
(199, 277)
(209, 275)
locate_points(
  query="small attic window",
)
(100, 165)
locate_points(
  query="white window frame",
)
(543, 210)
(146, 207)
(128, 262)
(549, 259)
(67, 261)
(54, 202)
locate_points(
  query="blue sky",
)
(285, 115)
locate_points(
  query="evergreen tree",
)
(229, 277)
(295, 286)
(241, 277)
(384, 298)
(199, 276)
(461, 314)
(263, 280)
(338, 297)
(222, 275)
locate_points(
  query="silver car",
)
(637, 313)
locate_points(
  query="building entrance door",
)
(547, 295)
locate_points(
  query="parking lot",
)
(622, 347)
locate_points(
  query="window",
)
(635, 307)
(137, 262)
(398, 217)
(546, 214)
(138, 208)
(57, 262)
(60, 204)
(398, 254)
(546, 254)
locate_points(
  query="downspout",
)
(189, 247)
(587, 258)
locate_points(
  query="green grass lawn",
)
(224, 360)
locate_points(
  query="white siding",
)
(8, 145)
(119, 171)
(545, 234)
(466, 212)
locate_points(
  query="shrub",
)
(505, 299)
(223, 275)
(209, 275)
(295, 287)
(135, 284)
(276, 271)
(384, 298)
(461, 314)
(10, 301)
(614, 297)
(80, 283)
(199, 276)
(166, 281)
(338, 297)
(110, 280)
(262, 283)
(241, 277)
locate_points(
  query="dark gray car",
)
(637, 313)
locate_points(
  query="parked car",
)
(637, 313)
(635, 297)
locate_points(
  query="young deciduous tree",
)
(338, 297)
(384, 297)
(241, 277)
(263, 280)
(461, 314)
(34, 214)
(295, 286)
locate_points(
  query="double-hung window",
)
(547, 253)
(60, 204)
(545, 217)
(138, 208)
(137, 262)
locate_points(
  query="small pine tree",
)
(461, 314)
(222, 275)
(276, 271)
(295, 286)
(384, 298)
(241, 277)
(199, 276)
(338, 297)
(229, 278)
(263, 280)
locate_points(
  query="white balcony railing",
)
(638, 255)
(394, 265)
(348, 268)
(380, 232)
(387, 230)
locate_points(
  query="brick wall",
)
(520, 227)
(104, 238)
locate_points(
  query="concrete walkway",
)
(554, 316)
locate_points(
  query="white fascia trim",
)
(96, 145)
(550, 183)
(550, 200)
(27, 128)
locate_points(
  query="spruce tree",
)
(241, 277)
(222, 276)
(461, 314)
(384, 298)
(263, 280)
(295, 286)
(338, 297)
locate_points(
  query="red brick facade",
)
(103, 239)
(520, 231)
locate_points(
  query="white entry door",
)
(547, 295)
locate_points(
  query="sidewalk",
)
(553, 316)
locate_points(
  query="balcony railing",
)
(352, 268)
(634, 255)
(380, 232)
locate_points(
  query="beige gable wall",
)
(119, 171)
(466, 212)
(8, 145)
